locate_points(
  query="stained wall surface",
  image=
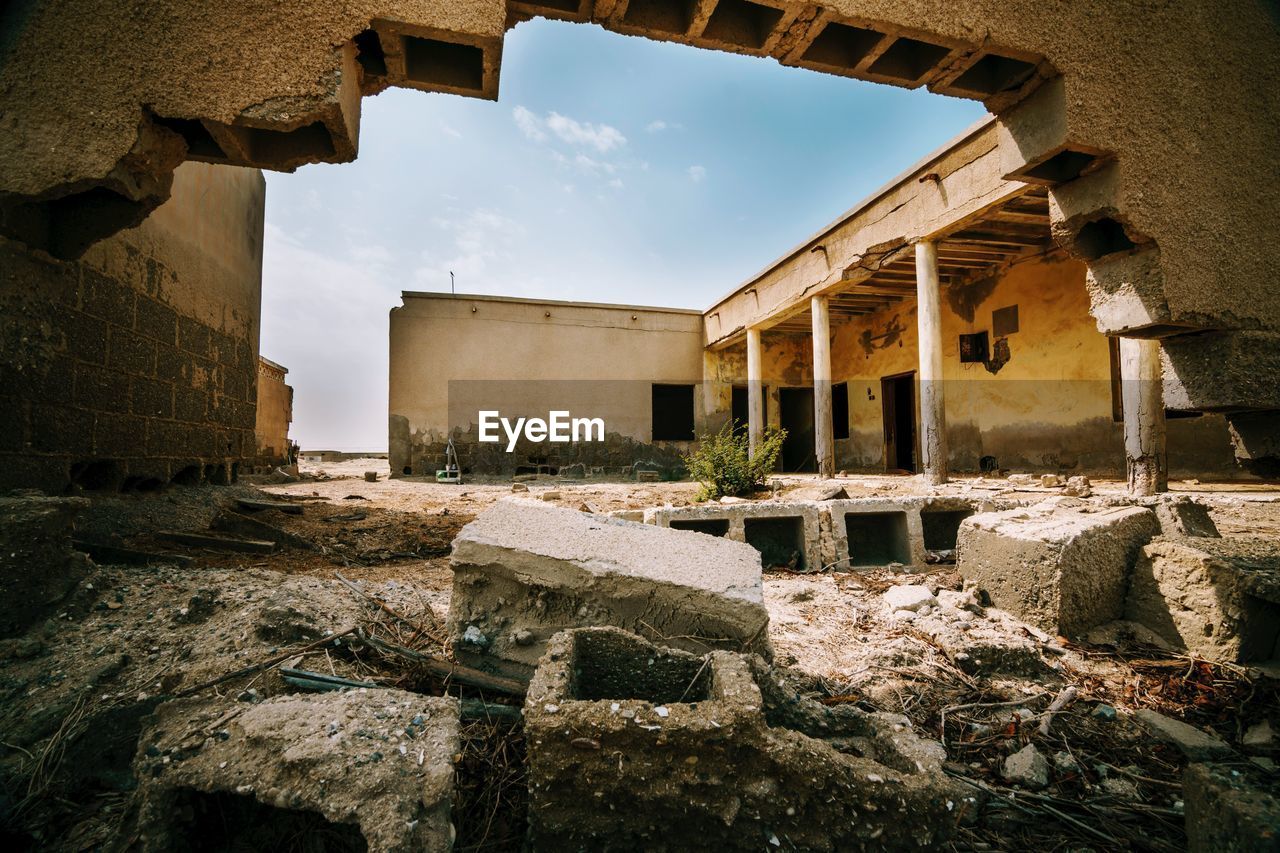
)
(452, 356)
(137, 364)
(274, 414)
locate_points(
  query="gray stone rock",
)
(909, 597)
(1192, 742)
(1026, 767)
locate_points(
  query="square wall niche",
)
(780, 541)
(709, 526)
(877, 538)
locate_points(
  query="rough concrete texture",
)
(377, 761)
(525, 570)
(1181, 516)
(787, 534)
(1192, 742)
(1230, 809)
(635, 747)
(863, 532)
(38, 567)
(1062, 569)
(1218, 599)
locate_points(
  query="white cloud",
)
(697, 174)
(656, 126)
(480, 238)
(530, 125)
(594, 167)
(450, 130)
(616, 183)
(601, 137)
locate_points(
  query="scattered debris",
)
(217, 543)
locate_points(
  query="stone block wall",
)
(112, 376)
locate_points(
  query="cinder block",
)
(688, 730)
(525, 570)
(786, 534)
(1216, 598)
(373, 768)
(1061, 569)
(459, 51)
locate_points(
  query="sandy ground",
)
(131, 634)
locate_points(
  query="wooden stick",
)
(1065, 698)
(450, 670)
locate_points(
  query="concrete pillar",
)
(823, 433)
(1142, 393)
(755, 391)
(933, 416)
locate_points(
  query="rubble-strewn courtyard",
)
(184, 691)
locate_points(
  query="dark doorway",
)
(898, 399)
(795, 413)
(739, 411)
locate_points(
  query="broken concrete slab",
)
(1190, 741)
(908, 597)
(1182, 516)
(1216, 598)
(524, 571)
(1229, 810)
(1061, 569)
(717, 752)
(785, 533)
(251, 528)
(254, 505)
(217, 543)
(372, 766)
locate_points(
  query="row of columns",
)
(1140, 373)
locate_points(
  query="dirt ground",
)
(74, 691)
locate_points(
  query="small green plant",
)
(722, 462)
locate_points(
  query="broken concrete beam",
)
(456, 48)
(255, 505)
(1192, 742)
(38, 566)
(1182, 516)
(217, 543)
(786, 534)
(1061, 569)
(368, 767)
(1216, 598)
(242, 525)
(1229, 809)
(524, 570)
(687, 726)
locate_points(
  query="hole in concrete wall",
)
(224, 821)
(974, 348)
(188, 476)
(941, 527)
(994, 73)
(200, 143)
(780, 541)
(142, 484)
(666, 16)
(370, 55)
(1066, 165)
(235, 471)
(908, 59)
(742, 23)
(709, 526)
(841, 45)
(1260, 625)
(877, 538)
(407, 470)
(443, 63)
(96, 475)
(1102, 237)
(311, 141)
(216, 474)
(607, 665)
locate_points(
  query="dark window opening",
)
(1004, 321)
(740, 412)
(673, 413)
(840, 410)
(974, 348)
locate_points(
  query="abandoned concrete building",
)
(1004, 368)
(1083, 284)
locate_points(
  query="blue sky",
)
(611, 169)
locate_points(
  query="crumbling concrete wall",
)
(637, 747)
(453, 356)
(274, 414)
(137, 364)
(1218, 599)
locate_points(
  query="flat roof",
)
(884, 190)
(474, 297)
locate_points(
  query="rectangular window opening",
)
(673, 413)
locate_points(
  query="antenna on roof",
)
(452, 289)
